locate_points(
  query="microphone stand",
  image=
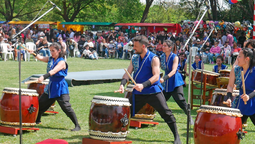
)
(20, 101)
(202, 68)
(188, 108)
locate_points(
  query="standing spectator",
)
(21, 50)
(151, 46)
(214, 51)
(121, 37)
(161, 37)
(230, 39)
(104, 49)
(71, 44)
(64, 47)
(171, 37)
(226, 50)
(71, 34)
(242, 39)
(40, 46)
(47, 34)
(206, 49)
(62, 35)
(77, 36)
(111, 36)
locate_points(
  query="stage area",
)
(90, 77)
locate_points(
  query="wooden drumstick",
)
(29, 82)
(130, 77)
(27, 49)
(117, 91)
(244, 92)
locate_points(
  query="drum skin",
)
(216, 129)
(107, 118)
(39, 87)
(9, 109)
(211, 79)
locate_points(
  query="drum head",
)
(111, 101)
(28, 92)
(220, 110)
(224, 92)
(129, 88)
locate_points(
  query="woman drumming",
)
(58, 87)
(246, 63)
(173, 79)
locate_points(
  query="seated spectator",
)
(127, 49)
(183, 67)
(159, 49)
(29, 39)
(226, 50)
(81, 43)
(119, 48)
(219, 65)
(111, 48)
(104, 49)
(197, 64)
(214, 51)
(151, 46)
(40, 46)
(206, 49)
(64, 47)
(87, 53)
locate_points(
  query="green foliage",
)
(166, 13)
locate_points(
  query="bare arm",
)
(155, 70)
(231, 81)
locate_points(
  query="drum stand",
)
(95, 141)
(14, 129)
(138, 123)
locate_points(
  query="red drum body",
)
(109, 118)
(9, 107)
(220, 95)
(224, 73)
(39, 87)
(146, 113)
(217, 125)
(211, 77)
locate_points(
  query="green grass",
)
(58, 126)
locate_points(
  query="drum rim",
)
(225, 90)
(208, 72)
(209, 107)
(227, 70)
(46, 81)
(29, 92)
(98, 97)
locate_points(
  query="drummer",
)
(219, 65)
(58, 88)
(183, 67)
(246, 63)
(172, 80)
(146, 69)
(197, 64)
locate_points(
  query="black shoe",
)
(77, 128)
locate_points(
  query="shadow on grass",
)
(54, 128)
(145, 140)
(80, 137)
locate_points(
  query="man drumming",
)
(148, 89)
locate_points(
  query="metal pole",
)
(20, 108)
(194, 29)
(34, 21)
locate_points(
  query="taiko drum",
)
(9, 107)
(109, 118)
(218, 125)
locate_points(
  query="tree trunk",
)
(146, 10)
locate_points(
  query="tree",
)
(146, 10)
(11, 9)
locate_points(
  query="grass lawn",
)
(58, 126)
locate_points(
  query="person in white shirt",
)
(87, 53)
(71, 34)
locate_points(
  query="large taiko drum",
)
(146, 113)
(109, 118)
(220, 95)
(9, 107)
(224, 73)
(39, 87)
(218, 125)
(211, 77)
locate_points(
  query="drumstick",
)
(117, 91)
(27, 49)
(130, 77)
(244, 92)
(29, 82)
